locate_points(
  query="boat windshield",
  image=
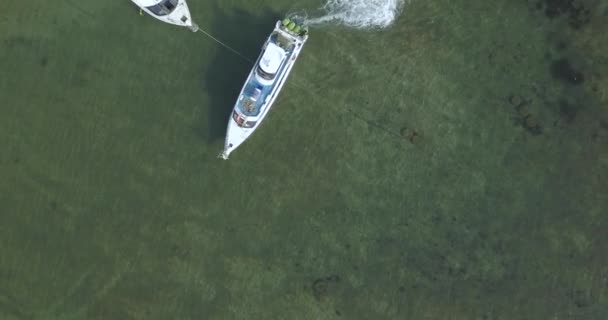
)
(164, 8)
(264, 74)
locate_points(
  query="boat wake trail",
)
(360, 14)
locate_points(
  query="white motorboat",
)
(170, 11)
(264, 82)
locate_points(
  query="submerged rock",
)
(531, 124)
(410, 135)
(516, 100)
(523, 111)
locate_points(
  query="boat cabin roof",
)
(272, 58)
(147, 3)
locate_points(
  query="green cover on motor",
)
(286, 21)
(291, 25)
(296, 29)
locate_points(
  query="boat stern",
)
(293, 27)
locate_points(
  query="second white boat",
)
(170, 11)
(264, 82)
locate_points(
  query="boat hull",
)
(236, 133)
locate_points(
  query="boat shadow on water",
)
(224, 77)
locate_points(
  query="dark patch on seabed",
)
(562, 69)
(44, 61)
(321, 286)
(576, 11)
(17, 42)
(28, 47)
(524, 116)
(574, 62)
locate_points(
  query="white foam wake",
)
(362, 14)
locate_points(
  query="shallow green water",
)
(114, 205)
